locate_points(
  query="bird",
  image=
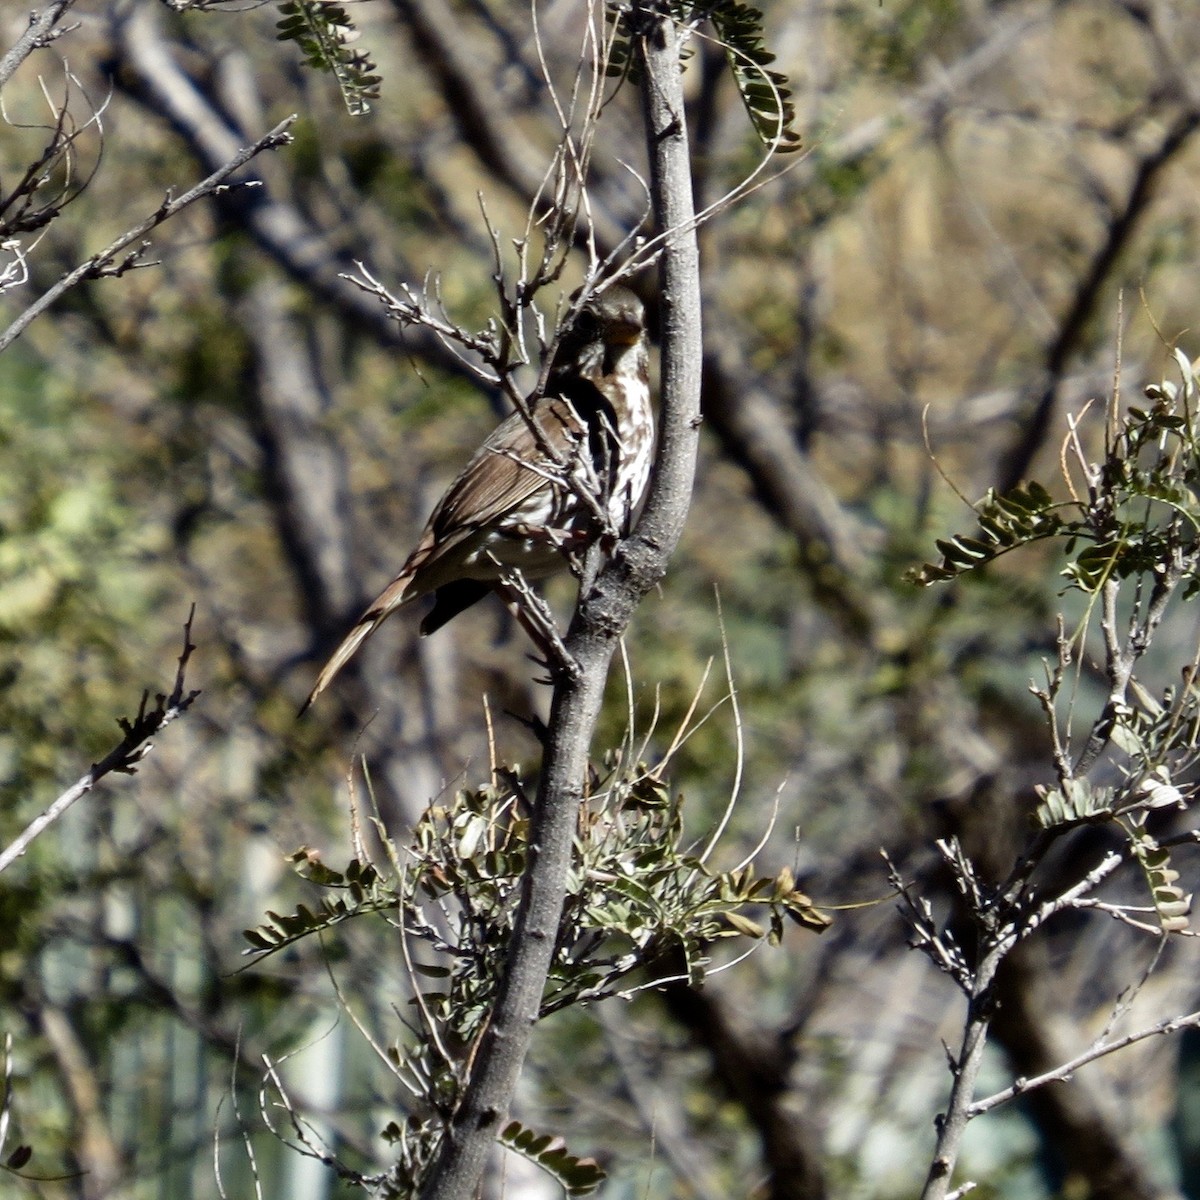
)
(545, 485)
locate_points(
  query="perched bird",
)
(522, 502)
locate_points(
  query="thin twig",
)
(124, 757)
(739, 739)
(1064, 1072)
(102, 263)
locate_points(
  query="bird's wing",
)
(493, 484)
(497, 481)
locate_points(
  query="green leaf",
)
(1079, 802)
(576, 1176)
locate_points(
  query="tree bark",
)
(600, 619)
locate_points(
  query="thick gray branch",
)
(600, 619)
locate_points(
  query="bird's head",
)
(603, 332)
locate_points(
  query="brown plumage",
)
(513, 508)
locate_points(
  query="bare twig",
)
(1075, 897)
(411, 309)
(243, 1132)
(104, 262)
(40, 32)
(307, 1140)
(1064, 1072)
(6, 1095)
(152, 74)
(29, 205)
(739, 742)
(124, 757)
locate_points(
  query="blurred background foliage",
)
(237, 427)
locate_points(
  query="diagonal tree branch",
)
(104, 262)
(754, 1068)
(499, 142)
(123, 758)
(155, 78)
(40, 32)
(484, 125)
(1086, 1122)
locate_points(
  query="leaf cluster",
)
(764, 92)
(356, 890)
(639, 898)
(324, 31)
(739, 28)
(1129, 528)
(414, 1139)
(639, 886)
(1158, 741)
(1018, 517)
(1137, 510)
(1171, 903)
(641, 902)
(1079, 802)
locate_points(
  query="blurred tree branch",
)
(1036, 423)
(754, 1067)
(304, 463)
(96, 1152)
(152, 74)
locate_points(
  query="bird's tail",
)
(394, 595)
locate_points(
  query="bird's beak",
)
(626, 331)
